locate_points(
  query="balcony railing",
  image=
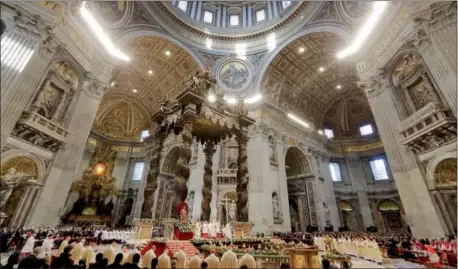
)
(227, 176)
(40, 131)
(428, 128)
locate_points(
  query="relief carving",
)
(445, 173)
(405, 67)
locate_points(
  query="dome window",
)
(379, 169)
(260, 15)
(234, 20)
(208, 16)
(145, 134)
(329, 133)
(334, 168)
(183, 5)
(366, 130)
(138, 171)
(285, 4)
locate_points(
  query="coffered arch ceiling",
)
(293, 80)
(157, 67)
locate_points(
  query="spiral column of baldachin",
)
(207, 187)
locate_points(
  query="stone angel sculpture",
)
(9, 181)
(200, 82)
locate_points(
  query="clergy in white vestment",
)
(47, 245)
(62, 246)
(212, 260)
(198, 230)
(136, 250)
(205, 230)
(125, 254)
(164, 261)
(77, 251)
(229, 260)
(110, 252)
(147, 258)
(27, 249)
(194, 262)
(89, 254)
(212, 229)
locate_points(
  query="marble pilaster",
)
(359, 185)
(328, 191)
(64, 168)
(409, 178)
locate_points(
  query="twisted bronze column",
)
(207, 188)
(242, 177)
(151, 180)
(182, 175)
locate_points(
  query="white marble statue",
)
(9, 181)
(327, 214)
(198, 230)
(276, 208)
(232, 211)
(227, 231)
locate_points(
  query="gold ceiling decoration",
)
(169, 73)
(22, 164)
(121, 119)
(445, 173)
(388, 205)
(293, 79)
(346, 206)
(347, 114)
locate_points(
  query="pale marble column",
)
(328, 190)
(137, 210)
(21, 73)
(65, 165)
(358, 182)
(301, 210)
(25, 204)
(409, 178)
(283, 185)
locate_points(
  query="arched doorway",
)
(166, 200)
(348, 216)
(442, 186)
(17, 175)
(225, 203)
(300, 190)
(390, 214)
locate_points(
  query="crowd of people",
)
(77, 248)
(14, 239)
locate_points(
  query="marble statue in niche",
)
(445, 172)
(405, 67)
(327, 214)
(232, 211)
(278, 215)
(421, 96)
(9, 181)
(47, 100)
(272, 150)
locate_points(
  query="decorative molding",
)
(93, 86)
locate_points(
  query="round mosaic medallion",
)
(234, 75)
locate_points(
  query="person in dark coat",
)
(134, 263)
(63, 261)
(98, 259)
(13, 259)
(117, 262)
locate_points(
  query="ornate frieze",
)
(430, 127)
(93, 86)
(379, 83)
(40, 131)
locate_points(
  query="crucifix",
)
(226, 202)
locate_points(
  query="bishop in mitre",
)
(62, 246)
(148, 257)
(110, 252)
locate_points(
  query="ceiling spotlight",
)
(301, 50)
(253, 99)
(134, 90)
(211, 98)
(321, 69)
(150, 72)
(338, 87)
(231, 100)
(298, 120)
(167, 53)
(112, 84)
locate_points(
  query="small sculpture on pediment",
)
(201, 82)
(405, 67)
(167, 106)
